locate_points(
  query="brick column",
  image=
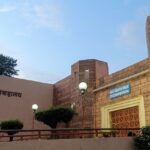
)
(148, 34)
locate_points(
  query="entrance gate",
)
(125, 118)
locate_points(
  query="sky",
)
(48, 36)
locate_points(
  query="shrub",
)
(54, 115)
(143, 140)
(11, 125)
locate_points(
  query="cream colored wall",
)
(20, 108)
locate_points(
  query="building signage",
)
(119, 91)
(10, 94)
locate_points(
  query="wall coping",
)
(123, 80)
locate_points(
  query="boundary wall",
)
(72, 144)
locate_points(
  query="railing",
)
(67, 133)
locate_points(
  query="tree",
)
(54, 115)
(11, 125)
(7, 66)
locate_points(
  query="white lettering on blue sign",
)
(119, 91)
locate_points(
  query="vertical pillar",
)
(148, 34)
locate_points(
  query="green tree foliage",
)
(7, 66)
(142, 141)
(11, 125)
(54, 115)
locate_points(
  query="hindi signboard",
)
(10, 94)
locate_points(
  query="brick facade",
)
(66, 91)
(137, 75)
(62, 92)
(95, 73)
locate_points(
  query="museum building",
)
(121, 99)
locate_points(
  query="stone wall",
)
(140, 86)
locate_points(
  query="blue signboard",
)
(119, 91)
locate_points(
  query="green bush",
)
(143, 140)
(54, 115)
(11, 125)
(146, 130)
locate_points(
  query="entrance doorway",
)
(117, 114)
(125, 118)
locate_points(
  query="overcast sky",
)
(48, 36)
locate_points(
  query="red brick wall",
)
(66, 91)
(131, 70)
(62, 92)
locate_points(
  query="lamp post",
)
(34, 109)
(83, 87)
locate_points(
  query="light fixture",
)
(82, 87)
(34, 107)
